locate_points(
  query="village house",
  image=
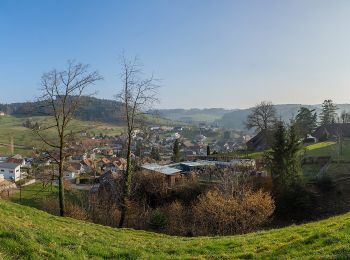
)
(10, 171)
(16, 160)
(107, 152)
(73, 171)
(87, 164)
(332, 131)
(114, 164)
(171, 175)
(103, 161)
(79, 157)
(261, 141)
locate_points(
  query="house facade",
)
(10, 171)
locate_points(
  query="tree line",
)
(264, 117)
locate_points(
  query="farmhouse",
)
(261, 141)
(330, 131)
(10, 171)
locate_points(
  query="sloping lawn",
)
(320, 145)
(329, 148)
(32, 234)
(33, 195)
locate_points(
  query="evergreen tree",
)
(328, 113)
(176, 151)
(227, 135)
(293, 200)
(155, 154)
(294, 155)
(208, 150)
(278, 155)
(345, 117)
(138, 149)
(284, 159)
(306, 121)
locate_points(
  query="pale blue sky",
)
(209, 53)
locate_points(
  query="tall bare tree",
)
(262, 117)
(138, 95)
(61, 97)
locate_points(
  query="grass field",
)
(32, 234)
(329, 148)
(33, 195)
(25, 139)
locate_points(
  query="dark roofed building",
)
(260, 142)
(330, 131)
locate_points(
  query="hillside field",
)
(25, 139)
(33, 234)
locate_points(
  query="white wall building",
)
(11, 171)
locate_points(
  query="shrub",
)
(157, 220)
(178, 219)
(294, 203)
(72, 210)
(217, 214)
(149, 188)
(325, 183)
(75, 211)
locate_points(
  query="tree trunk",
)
(126, 188)
(61, 184)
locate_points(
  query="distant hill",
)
(28, 233)
(109, 111)
(91, 109)
(194, 115)
(234, 118)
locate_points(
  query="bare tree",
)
(61, 97)
(262, 117)
(138, 94)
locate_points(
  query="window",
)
(2, 170)
(11, 171)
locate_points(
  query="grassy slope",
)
(33, 195)
(329, 148)
(25, 138)
(30, 233)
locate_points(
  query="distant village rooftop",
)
(161, 169)
(198, 163)
(6, 165)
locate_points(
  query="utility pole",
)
(12, 150)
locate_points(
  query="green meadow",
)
(26, 139)
(28, 233)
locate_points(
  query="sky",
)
(217, 53)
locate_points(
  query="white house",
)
(10, 171)
(73, 171)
